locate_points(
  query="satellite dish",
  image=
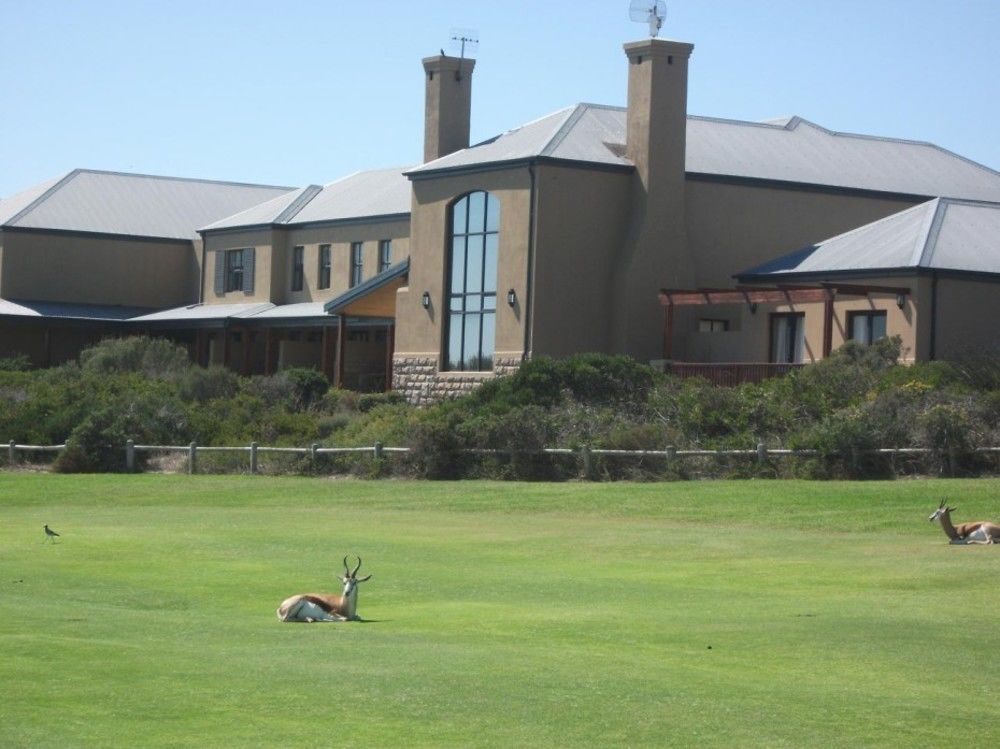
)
(648, 11)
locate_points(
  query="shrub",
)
(19, 363)
(152, 357)
(368, 401)
(200, 384)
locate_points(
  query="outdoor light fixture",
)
(753, 308)
(425, 299)
(901, 300)
(511, 298)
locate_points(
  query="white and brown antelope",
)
(976, 532)
(326, 607)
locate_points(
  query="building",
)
(702, 243)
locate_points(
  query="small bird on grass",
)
(50, 535)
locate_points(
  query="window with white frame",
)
(787, 337)
(384, 254)
(866, 326)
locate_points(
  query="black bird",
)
(50, 534)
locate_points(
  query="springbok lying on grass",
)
(325, 607)
(977, 532)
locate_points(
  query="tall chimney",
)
(656, 253)
(656, 121)
(447, 105)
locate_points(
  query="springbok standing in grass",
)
(325, 607)
(977, 532)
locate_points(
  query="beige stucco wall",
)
(43, 266)
(273, 258)
(217, 243)
(967, 314)
(420, 331)
(581, 220)
(340, 237)
(733, 227)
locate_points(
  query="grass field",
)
(682, 614)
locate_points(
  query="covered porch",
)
(748, 333)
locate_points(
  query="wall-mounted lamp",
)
(511, 298)
(901, 300)
(425, 300)
(753, 308)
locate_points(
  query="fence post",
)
(761, 453)
(313, 454)
(588, 466)
(129, 455)
(11, 454)
(377, 451)
(671, 454)
(192, 458)
(253, 457)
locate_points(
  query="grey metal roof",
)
(362, 289)
(378, 192)
(141, 205)
(941, 234)
(66, 310)
(194, 312)
(788, 149)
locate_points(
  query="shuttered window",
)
(234, 270)
(324, 266)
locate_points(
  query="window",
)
(787, 337)
(357, 263)
(384, 254)
(712, 326)
(865, 327)
(234, 270)
(472, 290)
(298, 267)
(324, 266)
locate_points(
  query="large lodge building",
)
(704, 244)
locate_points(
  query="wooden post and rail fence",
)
(586, 454)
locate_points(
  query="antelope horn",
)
(355, 573)
(346, 568)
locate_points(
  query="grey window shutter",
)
(248, 257)
(220, 273)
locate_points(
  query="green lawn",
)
(688, 614)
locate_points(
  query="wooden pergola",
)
(778, 294)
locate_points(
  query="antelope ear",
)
(362, 579)
(952, 509)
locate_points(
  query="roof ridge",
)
(292, 209)
(564, 130)
(933, 231)
(41, 198)
(182, 179)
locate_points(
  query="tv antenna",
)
(648, 11)
(464, 41)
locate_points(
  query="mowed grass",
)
(679, 614)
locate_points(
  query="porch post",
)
(270, 352)
(827, 322)
(668, 332)
(338, 375)
(247, 350)
(201, 348)
(47, 345)
(390, 346)
(225, 346)
(326, 358)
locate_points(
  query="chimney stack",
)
(447, 105)
(656, 122)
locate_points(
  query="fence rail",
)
(378, 451)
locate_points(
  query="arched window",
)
(472, 284)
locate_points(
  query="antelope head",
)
(350, 579)
(941, 511)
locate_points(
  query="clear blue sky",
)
(293, 93)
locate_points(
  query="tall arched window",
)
(472, 286)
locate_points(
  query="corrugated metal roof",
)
(788, 149)
(21, 308)
(941, 234)
(194, 312)
(131, 204)
(378, 192)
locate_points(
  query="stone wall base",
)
(420, 382)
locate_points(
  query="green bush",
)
(20, 363)
(152, 357)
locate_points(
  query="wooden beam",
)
(271, 348)
(828, 323)
(685, 298)
(668, 333)
(247, 351)
(326, 352)
(390, 347)
(338, 375)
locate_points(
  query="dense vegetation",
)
(858, 399)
